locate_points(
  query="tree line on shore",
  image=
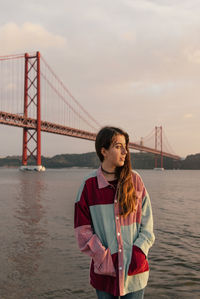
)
(138, 161)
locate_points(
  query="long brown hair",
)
(126, 191)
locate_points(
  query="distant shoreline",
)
(90, 160)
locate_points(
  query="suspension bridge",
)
(34, 98)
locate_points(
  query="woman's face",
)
(115, 155)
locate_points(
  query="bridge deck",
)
(30, 123)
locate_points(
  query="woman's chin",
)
(121, 163)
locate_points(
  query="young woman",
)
(113, 220)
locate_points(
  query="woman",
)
(113, 220)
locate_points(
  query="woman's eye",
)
(120, 147)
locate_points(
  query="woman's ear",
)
(103, 152)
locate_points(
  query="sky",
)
(134, 64)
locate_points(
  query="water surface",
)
(39, 257)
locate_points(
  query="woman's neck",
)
(108, 172)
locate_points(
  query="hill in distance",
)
(90, 160)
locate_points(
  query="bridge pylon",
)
(158, 145)
(32, 108)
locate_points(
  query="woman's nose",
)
(124, 151)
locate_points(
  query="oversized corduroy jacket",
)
(118, 245)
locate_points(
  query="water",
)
(39, 258)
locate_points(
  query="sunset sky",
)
(131, 63)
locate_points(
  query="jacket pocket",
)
(106, 266)
(138, 262)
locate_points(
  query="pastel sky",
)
(131, 63)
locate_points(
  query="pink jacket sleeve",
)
(88, 241)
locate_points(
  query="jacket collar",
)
(101, 180)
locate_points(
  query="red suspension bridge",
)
(34, 98)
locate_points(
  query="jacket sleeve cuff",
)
(105, 266)
(138, 262)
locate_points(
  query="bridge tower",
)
(32, 108)
(158, 145)
(141, 143)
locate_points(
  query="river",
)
(39, 258)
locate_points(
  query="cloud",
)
(192, 55)
(188, 115)
(28, 36)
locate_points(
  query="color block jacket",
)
(117, 245)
